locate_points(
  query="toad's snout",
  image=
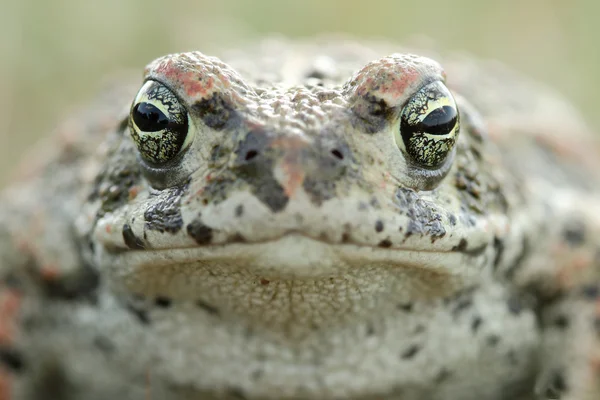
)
(292, 160)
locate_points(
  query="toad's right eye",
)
(159, 124)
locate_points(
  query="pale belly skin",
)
(307, 220)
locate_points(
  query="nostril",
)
(337, 154)
(250, 154)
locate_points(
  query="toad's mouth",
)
(295, 256)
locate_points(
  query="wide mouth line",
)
(288, 235)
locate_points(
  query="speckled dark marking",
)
(165, 215)
(492, 340)
(556, 385)
(385, 243)
(254, 164)
(462, 247)
(515, 304)
(561, 322)
(239, 210)
(424, 219)
(121, 172)
(139, 313)
(378, 226)
(498, 251)
(132, 241)
(163, 302)
(104, 344)
(237, 394)
(512, 357)
(201, 233)
(80, 285)
(216, 112)
(452, 219)
(331, 158)
(442, 376)
(590, 292)
(407, 307)
(212, 310)
(410, 352)
(370, 329)
(12, 359)
(462, 303)
(257, 374)
(574, 233)
(372, 114)
(518, 262)
(476, 324)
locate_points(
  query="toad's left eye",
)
(159, 124)
(429, 126)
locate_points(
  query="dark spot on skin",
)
(410, 352)
(345, 237)
(515, 305)
(556, 386)
(140, 313)
(201, 233)
(474, 252)
(315, 74)
(492, 340)
(476, 324)
(104, 344)
(254, 165)
(452, 219)
(362, 206)
(237, 394)
(498, 251)
(162, 302)
(372, 113)
(407, 307)
(121, 172)
(385, 243)
(210, 309)
(461, 305)
(424, 218)
(239, 210)
(442, 376)
(518, 262)
(257, 374)
(80, 285)
(597, 325)
(330, 164)
(264, 281)
(574, 233)
(378, 226)
(370, 329)
(561, 322)
(11, 359)
(591, 292)
(512, 358)
(132, 241)
(237, 238)
(216, 112)
(337, 154)
(165, 214)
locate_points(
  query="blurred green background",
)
(55, 54)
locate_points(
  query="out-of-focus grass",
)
(54, 54)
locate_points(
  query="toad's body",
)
(307, 221)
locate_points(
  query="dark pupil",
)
(149, 118)
(440, 121)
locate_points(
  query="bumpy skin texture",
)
(293, 250)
